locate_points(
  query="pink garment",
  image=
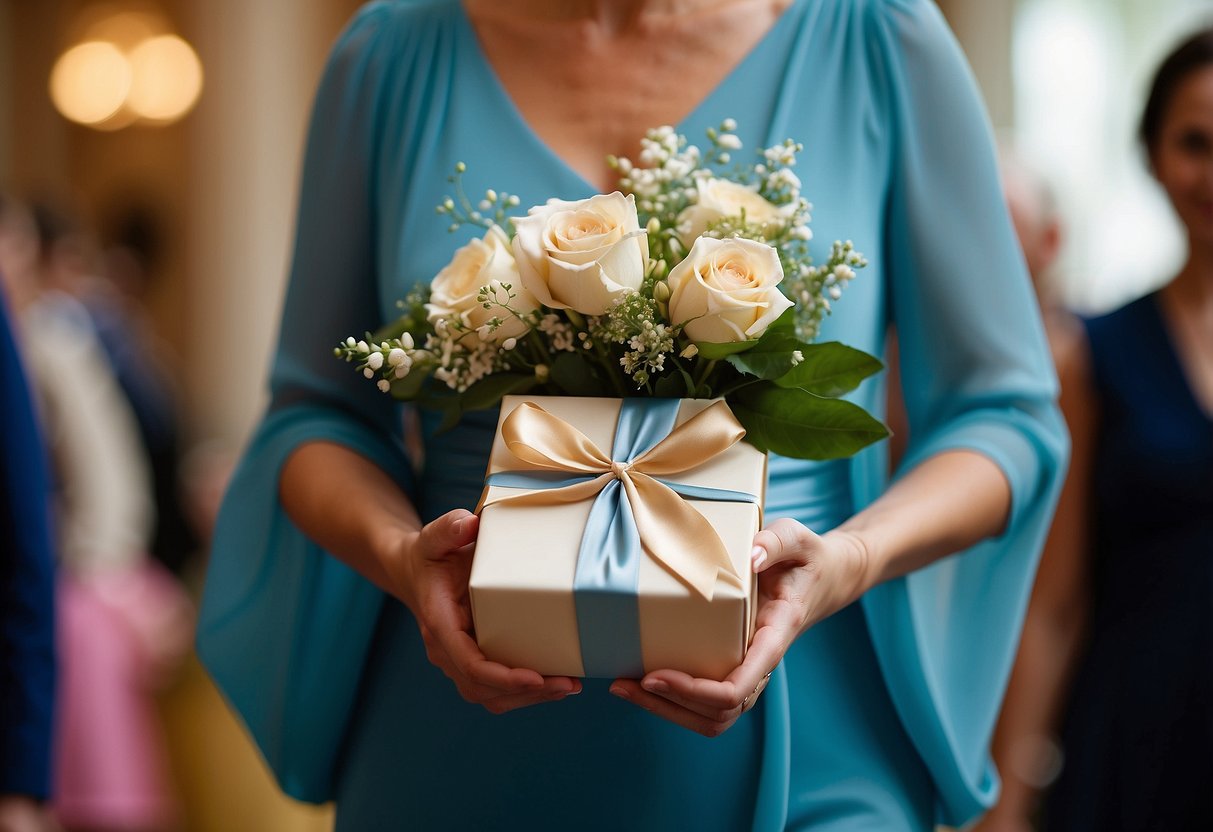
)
(120, 632)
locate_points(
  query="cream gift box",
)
(545, 583)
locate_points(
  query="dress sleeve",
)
(977, 375)
(284, 628)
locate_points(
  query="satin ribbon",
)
(634, 509)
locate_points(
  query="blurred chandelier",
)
(126, 67)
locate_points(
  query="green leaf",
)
(448, 406)
(830, 369)
(770, 358)
(409, 387)
(713, 352)
(785, 324)
(674, 385)
(487, 392)
(394, 329)
(576, 375)
(795, 423)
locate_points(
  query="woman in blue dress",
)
(335, 616)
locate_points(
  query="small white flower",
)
(843, 272)
(367, 372)
(384, 385)
(729, 124)
(396, 357)
(542, 372)
(407, 340)
(374, 361)
(350, 342)
(797, 357)
(801, 232)
(509, 343)
(729, 141)
(401, 372)
(363, 347)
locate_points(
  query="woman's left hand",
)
(802, 578)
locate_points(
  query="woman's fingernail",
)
(620, 692)
(655, 686)
(759, 557)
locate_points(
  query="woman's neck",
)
(1194, 282)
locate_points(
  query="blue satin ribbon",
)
(605, 584)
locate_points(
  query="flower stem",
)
(705, 370)
(612, 370)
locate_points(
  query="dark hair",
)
(1190, 56)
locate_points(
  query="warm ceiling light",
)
(167, 79)
(90, 82)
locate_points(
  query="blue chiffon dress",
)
(879, 717)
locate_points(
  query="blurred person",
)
(120, 622)
(1138, 734)
(358, 672)
(27, 610)
(1025, 745)
(1124, 604)
(112, 283)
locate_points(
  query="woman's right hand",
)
(432, 581)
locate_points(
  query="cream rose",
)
(454, 291)
(727, 290)
(720, 198)
(581, 255)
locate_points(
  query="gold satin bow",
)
(671, 531)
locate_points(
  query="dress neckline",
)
(1179, 370)
(494, 84)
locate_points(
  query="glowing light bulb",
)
(90, 82)
(167, 79)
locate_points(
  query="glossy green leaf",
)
(409, 387)
(713, 352)
(487, 392)
(795, 423)
(830, 369)
(770, 358)
(576, 375)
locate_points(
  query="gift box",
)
(615, 537)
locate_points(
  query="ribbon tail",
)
(679, 537)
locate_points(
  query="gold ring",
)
(746, 704)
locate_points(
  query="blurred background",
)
(162, 139)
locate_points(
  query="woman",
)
(879, 712)
(1138, 732)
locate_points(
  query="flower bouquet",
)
(631, 341)
(697, 283)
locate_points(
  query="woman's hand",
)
(433, 582)
(802, 578)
